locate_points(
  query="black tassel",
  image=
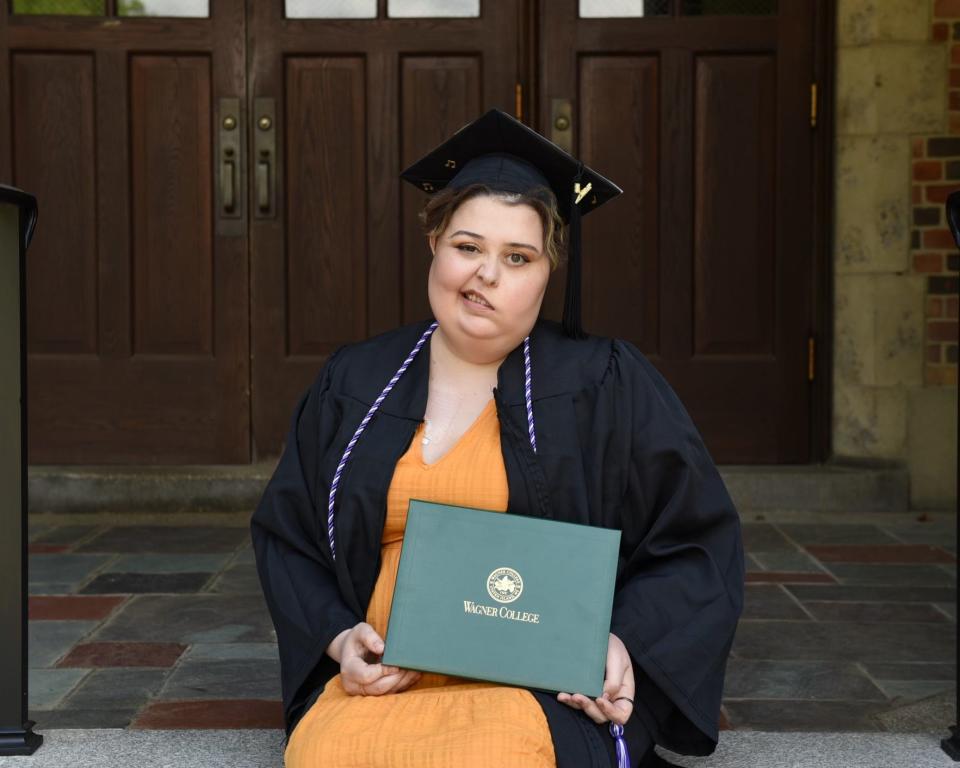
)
(571, 301)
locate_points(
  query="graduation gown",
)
(615, 448)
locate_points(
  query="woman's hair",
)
(436, 214)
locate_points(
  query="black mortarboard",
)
(498, 150)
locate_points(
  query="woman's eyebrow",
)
(481, 237)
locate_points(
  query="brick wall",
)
(936, 173)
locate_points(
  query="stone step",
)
(754, 488)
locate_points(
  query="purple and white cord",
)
(623, 756)
(527, 390)
(363, 424)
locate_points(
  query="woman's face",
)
(488, 276)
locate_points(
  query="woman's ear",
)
(432, 240)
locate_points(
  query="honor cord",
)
(386, 391)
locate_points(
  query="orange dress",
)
(442, 720)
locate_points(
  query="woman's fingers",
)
(599, 710)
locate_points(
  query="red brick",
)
(47, 549)
(46, 608)
(955, 77)
(941, 30)
(954, 100)
(783, 577)
(940, 375)
(933, 353)
(927, 170)
(937, 193)
(955, 53)
(880, 553)
(954, 124)
(917, 194)
(934, 306)
(951, 306)
(919, 144)
(938, 238)
(946, 9)
(942, 330)
(928, 262)
(123, 655)
(209, 714)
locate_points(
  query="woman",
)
(487, 406)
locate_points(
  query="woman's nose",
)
(489, 270)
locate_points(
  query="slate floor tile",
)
(784, 577)
(46, 549)
(49, 640)
(839, 611)
(230, 679)
(63, 568)
(753, 679)
(912, 690)
(246, 556)
(83, 718)
(783, 560)
(770, 601)
(50, 607)
(99, 654)
(168, 563)
(844, 641)
(797, 715)
(950, 609)
(813, 533)
(890, 575)
(119, 688)
(874, 593)
(237, 578)
(763, 537)
(191, 619)
(880, 553)
(223, 651)
(910, 670)
(64, 534)
(936, 534)
(53, 588)
(142, 583)
(238, 713)
(46, 688)
(167, 539)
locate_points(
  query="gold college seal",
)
(504, 585)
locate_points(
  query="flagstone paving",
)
(149, 626)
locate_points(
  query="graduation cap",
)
(498, 150)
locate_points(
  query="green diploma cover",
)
(506, 598)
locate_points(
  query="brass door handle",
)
(263, 184)
(228, 185)
(265, 153)
(229, 167)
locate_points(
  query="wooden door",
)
(700, 111)
(137, 327)
(341, 106)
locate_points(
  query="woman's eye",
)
(517, 258)
(465, 246)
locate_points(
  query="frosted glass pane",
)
(611, 9)
(433, 8)
(194, 8)
(60, 7)
(331, 9)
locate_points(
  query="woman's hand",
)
(361, 672)
(618, 681)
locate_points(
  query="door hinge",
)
(813, 105)
(518, 107)
(811, 358)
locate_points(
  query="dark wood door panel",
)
(705, 261)
(137, 327)
(341, 257)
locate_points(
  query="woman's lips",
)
(475, 305)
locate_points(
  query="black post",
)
(18, 216)
(951, 745)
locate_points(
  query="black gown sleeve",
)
(294, 564)
(680, 584)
